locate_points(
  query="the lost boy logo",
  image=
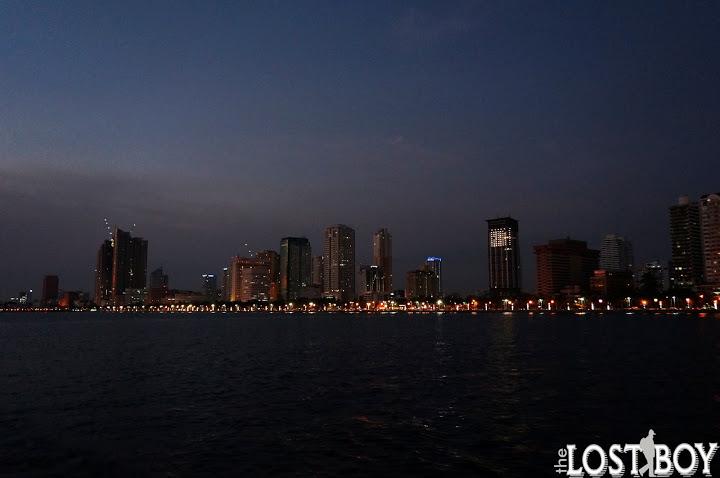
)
(646, 458)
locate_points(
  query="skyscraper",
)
(50, 290)
(382, 258)
(710, 231)
(616, 253)
(225, 287)
(370, 282)
(158, 287)
(129, 265)
(503, 257)
(272, 258)
(565, 266)
(434, 265)
(317, 272)
(339, 263)
(295, 263)
(103, 274)
(421, 284)
(209, 287)
(686, 263)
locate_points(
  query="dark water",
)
(485, 395)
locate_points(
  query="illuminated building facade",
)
(421, 284)
(272, 258)
(503, 257)
(249, 279)
(433, 264)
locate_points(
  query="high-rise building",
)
(158, 287)
(710, 232)
(272, 258)
(370, 282)
(129, 265)
(616, 253)
(249, 279)
(421, 284)
(503, 257)
(654, 272)
(295, 272)
(103, 274)
(565, 266)
(382, 258)
(686, 263)
(317, 272)
(209, 287)
(339, 263)
(50, 290)
(434, 265)
(225, 287)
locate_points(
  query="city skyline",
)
(203, 125)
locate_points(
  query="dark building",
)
(209, 287)
(339, 263)
(611, 284)
(272, 258)
(50, 290)
(295, 264)
(503, 257)
(710, 227)
(565, 266)
(317, 272)
(103, 274)
(158, 290)
(129, 267)
(382, 258)
(421, 284)
(686, 262)
(371, 283)
(434, 266)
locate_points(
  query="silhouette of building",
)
(564, 266)
(158, 287)
(129, 267)
(272, 258)
(710, 232)
(433, 264)
(295, 263)
(503, 257)
(225, 285)
(50, 290)
(209, 287)
(103, 274)
(339, 263)
(421, 284)
(611, 284)
(616, 253)
(370, 281)
(317, 272)
(686, 263)
(382, 258)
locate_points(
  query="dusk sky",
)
(214, 124)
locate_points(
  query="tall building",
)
(225, 285)
(317, 272)
(295, 272)
(421, 284)
(370, 282)
(249, 279)
(129, 266)
(503, 257)
(710, 232)
(209, 287)
(158, 287)
(434, 265)
(616, 253)
(50, 290)
(564, 267)
(686, 263)
(382, 258)
(272, 258)
(103, 274)
(339, 263)
(658, 273)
